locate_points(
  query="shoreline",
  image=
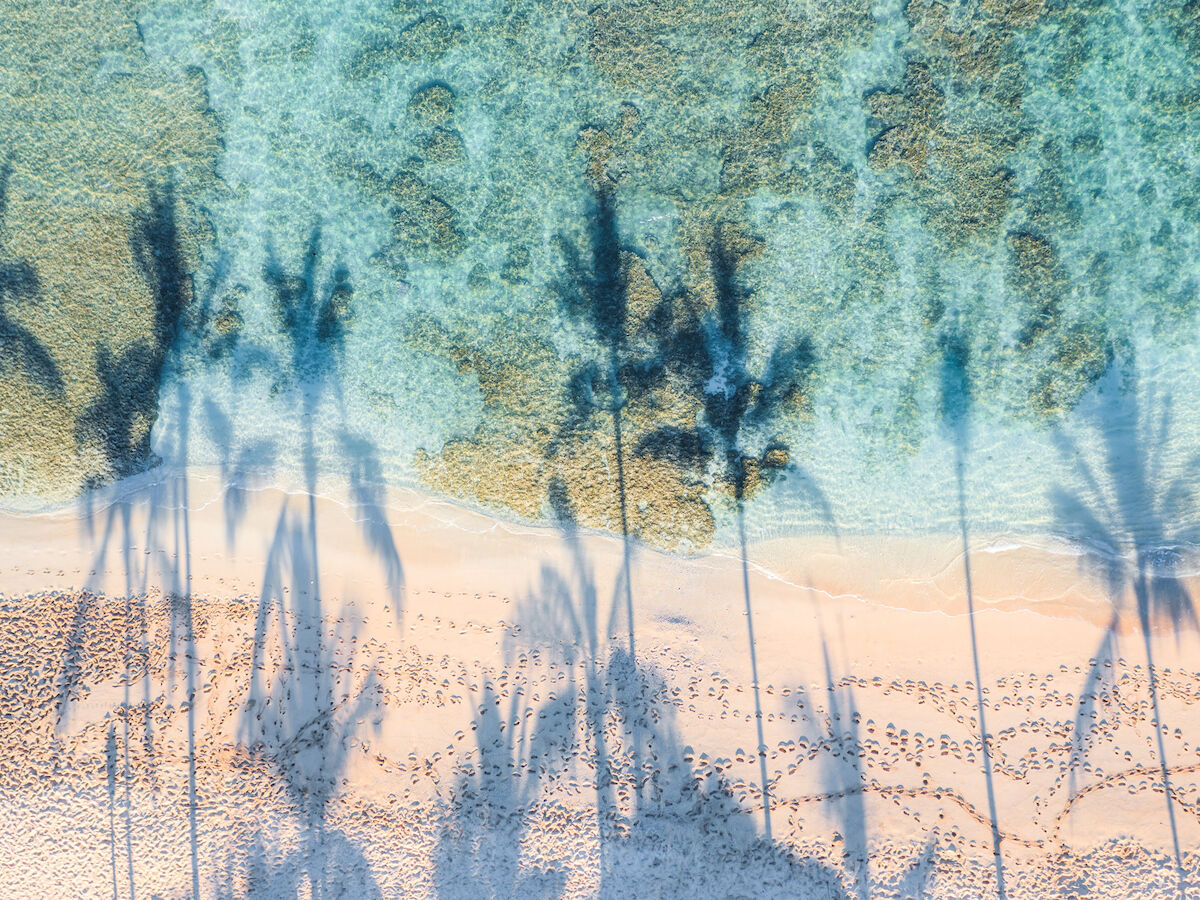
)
(921, 572)
(437, 697)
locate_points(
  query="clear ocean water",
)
(954, 234)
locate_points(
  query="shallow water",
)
(995, 202)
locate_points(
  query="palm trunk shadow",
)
(984, 737)
(627, 579)
(956, 400)
(761, 744)
(110, 757)
(1141, 592)
(625, 537)
(182, 610)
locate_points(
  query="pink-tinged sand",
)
(862, 644)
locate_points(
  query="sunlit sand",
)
(448, 705)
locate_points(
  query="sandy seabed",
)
(395, 697)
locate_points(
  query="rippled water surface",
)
(649, 259)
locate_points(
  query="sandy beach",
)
(399, 697)
(586, 451)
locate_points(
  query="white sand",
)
(455, 713)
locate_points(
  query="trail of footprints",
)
(554, 727)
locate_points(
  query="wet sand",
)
(399, 697)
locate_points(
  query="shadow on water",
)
(956, 408)
(1122, 520)
(19, 285)
(596, 292)
(116, 422)
(529, 750)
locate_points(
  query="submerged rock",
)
(432, 104)
(98, 239)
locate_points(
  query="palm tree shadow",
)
(1123, 522)
(302, 723)
(738, 407)
(595, 292)
(19, 284)
(117, 424)
(681, 815)
(709, 355)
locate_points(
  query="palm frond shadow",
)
(19, 286)
(832, 723)
(480, 846)
(313, 320)
(367, 492)
(710, 351)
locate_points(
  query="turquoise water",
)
(1021, 175)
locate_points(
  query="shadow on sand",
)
(652, 819)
